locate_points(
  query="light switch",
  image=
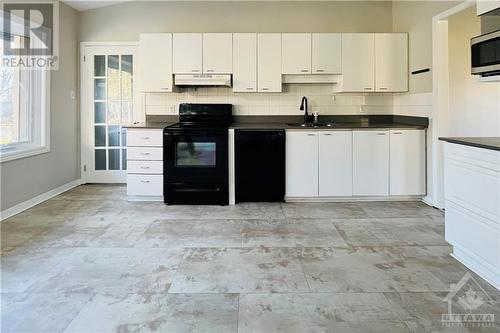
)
(72, 94)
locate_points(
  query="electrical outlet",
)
(72, 94)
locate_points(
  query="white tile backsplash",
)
(321, 99)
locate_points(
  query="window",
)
(24, 98)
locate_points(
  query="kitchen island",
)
(472, 203)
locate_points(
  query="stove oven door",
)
(195, 166)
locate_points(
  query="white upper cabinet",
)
(370, 163)
(358, 62)
(326, 53)
(245, 62)
(485, 6)
(155, 62)
(335, 163)
(391, 62)
(269, 62)
(218, 53)
(407, 163)
(296, 53)
(302, 163)
(187, 53)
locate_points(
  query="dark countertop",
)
(492, 143)
(148, 124)
(337, 126)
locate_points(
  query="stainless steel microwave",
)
(485, 54)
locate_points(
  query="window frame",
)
(39, 111)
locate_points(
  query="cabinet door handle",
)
(195, 70)
(249, 88)
(380, 133)
(209, 70)
(367, 88)
(265, 88)
(145, 154)
(319, 70)
(397, 132)
(144, 181)
(328, 134)
(165, 88)
(310, 134)
(304, 70)
(383, 88)
(145, 167)
(145, 138)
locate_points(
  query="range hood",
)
(204, 80)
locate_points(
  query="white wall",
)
(26, 178)
(320, 97)
(474, 107)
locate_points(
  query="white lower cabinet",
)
(371, 163)
(145, 164)
(302, 163)
(335, 163)
(407, 162)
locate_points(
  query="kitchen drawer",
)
(152, 167)
(145, 153)
(150, 185)
(145, 137)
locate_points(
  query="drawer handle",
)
(145, 154)
(145, 138)
(209, 70)
(145, 167)
(397, 132)
(165, 88)
(311, 134)
(145, 181)
(382, 88)
(195, 70)
(380, 133)
(304, 70)
(265, 88)
(249, 88)
(319, 70)
(328, 134)
(367, 88)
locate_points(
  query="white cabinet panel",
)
(144, 137)
(335, 163)
(145, 167)
(155, 62)
(245, 62)
(187, 53)
(296, 53)
(485, 6)
(217, 53)
(358, 62)
(269, 62)
(407, 162)
(326, 53)
(302, 164)
(145, 153)
(391, 62)
(144, 185)
(371, 163)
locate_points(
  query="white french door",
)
(109, 99)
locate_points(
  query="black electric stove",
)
(195, 155)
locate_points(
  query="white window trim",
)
(42, 145)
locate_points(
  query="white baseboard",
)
(38, 199)
(354, 198)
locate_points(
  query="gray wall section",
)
(26, 178)
(124, 22)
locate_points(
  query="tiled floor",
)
(89, 261)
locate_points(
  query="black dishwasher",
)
(259, 165)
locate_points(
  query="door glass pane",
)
(114, 136)
(114, 89)
(114, 159)
(127, 65)
(124, 159)
(113, 66)
(114, 113)
(100, 136)
(99, 65)
(124, 137)
(100, 159)
(99, 112)
(126, 88)
(126, 112)
(99, 89)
